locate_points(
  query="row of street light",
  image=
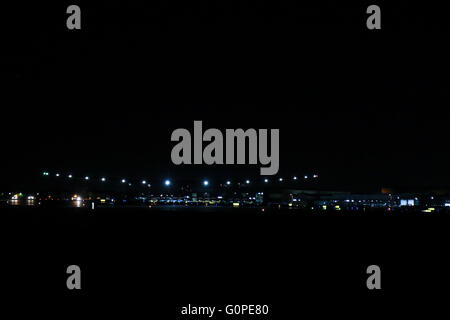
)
(168, 182)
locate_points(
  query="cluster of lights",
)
(168, 182)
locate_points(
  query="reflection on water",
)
(77, 203)
(17, 202)
(33, 202)
(14, 202)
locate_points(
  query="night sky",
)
(359, 107)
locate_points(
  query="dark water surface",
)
(155, 260)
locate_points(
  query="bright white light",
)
(228, 183)
(149, 185)
(281, 179)
(295, 178)
(266, 180)
(144, 182)
(57, 174)
(247, 181)
(205, 182)
(306, 177)
(123, 180)
(315, 176)
(167, 182)
(69, 176)
(103, 179)
(86, 178)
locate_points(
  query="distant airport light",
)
(129, 184)
(123, 180)
(57, 174)
(167, 182)
(266, 180)
(103, 179)
(45, 173)
(295, 178)
(247, 181)
(306, 177)
(144, 182)
(149, 185)
(315, 176)
(86, 178)
(69, 176)
(228, 183)
(280, 179)
(205, 183)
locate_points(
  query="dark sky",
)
(360, 107)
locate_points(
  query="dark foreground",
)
(150, 262)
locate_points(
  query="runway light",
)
(86, 178)
(280, 179)
(295, 178)
(69, 176)
(45, 173)
(149, 185)
(306, 177)
(247, 181)
(167, 182)
(228, 183)
(123, 180)
(103, 179)
(266, 180)
(144, 182)
(205, 183)
(315, 176)
(57, 174)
